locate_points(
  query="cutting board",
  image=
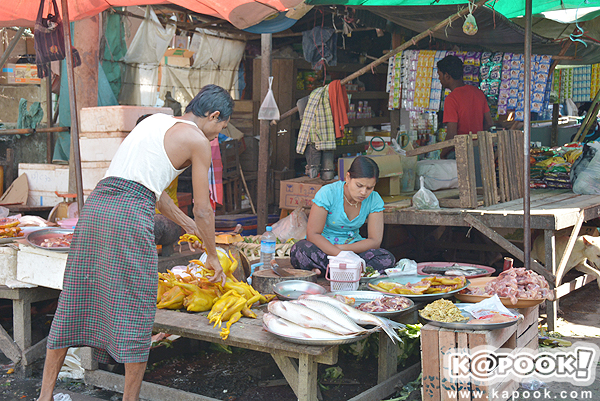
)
(264, 280)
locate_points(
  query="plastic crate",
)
(344, 277)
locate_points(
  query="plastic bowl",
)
(292, 289)
(394, 272)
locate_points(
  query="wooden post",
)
(554, 132)
(49, 115)
(75, 179)
(263, 149)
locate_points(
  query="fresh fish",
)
(306, 317)
(286, 328)
(358, 316)
(332, 313)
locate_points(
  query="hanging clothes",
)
(320, 47)
(317, 124)
(215, 174)
(338, 99)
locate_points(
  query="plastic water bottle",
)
(267, 247)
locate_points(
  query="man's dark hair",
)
(452, 65)
(364, 167)
(211, 98)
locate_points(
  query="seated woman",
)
(339, 210)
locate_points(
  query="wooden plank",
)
(35, 352)
(573, 285)
(504, 243)
(242, 106)
(22, 323)
(491, 156)
(472, 175)
(149, 391)
(501, 169)
(463, 385)
(530, 316)
(431, 362)
(289, 369)
(430, 148)
(484, 162)
(560, 271)
(528, 335)
(447, 342)
(464, 183)
(9, 348)
(388, 358)
(384, 389)
(307, 378)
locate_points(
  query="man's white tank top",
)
(142, 157)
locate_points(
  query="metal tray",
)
(35, 238)
(291, 289)
(317, 341)
(440, 268)
(413, 279)
(467, 326)
(360, 297)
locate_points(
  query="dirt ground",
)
(244, 375)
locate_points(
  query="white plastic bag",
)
(292, 226)
(586, 170)
(424, 198)
(268, 109)
(348, 258)
(438, 174)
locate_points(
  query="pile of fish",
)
(320, 317)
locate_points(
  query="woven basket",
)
(252, 250)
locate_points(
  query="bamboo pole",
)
(11, 46)
(397, 50)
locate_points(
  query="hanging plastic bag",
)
(424, 198)
(268, 109)
(470, 25)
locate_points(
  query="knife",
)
(280, 271)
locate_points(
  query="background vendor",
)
(466, 108)
(338, 212)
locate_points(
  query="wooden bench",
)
(19, 348)
(297, 362)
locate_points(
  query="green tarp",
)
(508, 8)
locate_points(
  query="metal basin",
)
(292, 289)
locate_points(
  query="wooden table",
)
(19, 349)
(551, 211)
(298, 363)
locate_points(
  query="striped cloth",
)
(110, 284)
(317, 122)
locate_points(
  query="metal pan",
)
(467, 326)
(413, 279)
(361, 297)
(319, 341)
(35, 238)
(291, 289)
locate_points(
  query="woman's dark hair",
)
(452, 65)
(364, 167)
(211, 98)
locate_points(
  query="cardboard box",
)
(299, 192)
(7, 74)
(389, 165)
(178, 57)
(22, 74)
(389, 186)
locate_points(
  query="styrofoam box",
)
(41, 267)
(8, 264)
(55, 177)
(98, 149)
(115, 118)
